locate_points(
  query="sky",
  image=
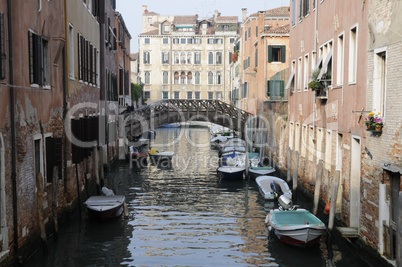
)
(131, 10)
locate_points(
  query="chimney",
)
(144, 8)
(216, 14)
(244, 13)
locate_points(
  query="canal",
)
(181, 215)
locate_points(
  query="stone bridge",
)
(183, 110)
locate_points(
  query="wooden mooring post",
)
(289, 165)
(295, 174)
(334, 195)
(317, 189)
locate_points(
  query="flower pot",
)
(378, 128)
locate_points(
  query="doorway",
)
(355, 182)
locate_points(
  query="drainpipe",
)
(316, 54)
(12, 110)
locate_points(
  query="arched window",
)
(189, 77)
(165, 77)
(176, 78)
(147, 77)
(197, 58)
(183, 78)
(210, 58)
(218, 58)
(210, 78)
(183, 57)
(176, 58)
(218, 78)
(197, 78)
(189, 57)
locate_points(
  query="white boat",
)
(255, 171)
(161, 156)
(105, 207)
(231, 172)
(218, 140)
(272, 187)
(296, 227)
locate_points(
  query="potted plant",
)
(235, 56)
(369, 121)
(377, 122)
(314, 84)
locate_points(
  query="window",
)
(231, 40)
(198, 41)
(147, 77)
(38, 59)
(340, 61)
(218, 95)
(147, 57)
(244, 90)
(165, 57)
(352, 55)
(189, 40)
(379, 81)
(256, 31)
(165, 77)
(218, 41)
(197, 58)
(183, 40)
(149, 20)
(147, 94)
(176, 40)
(166, 28)
(176, 58)
(71, 50)
(189, 95)
(306, 74)
(146, 41)
(304, 8)
(256, 58)
(230, 57)
(189, 77)
(293, 12)
(218, 78)
(210, 41)
(183, 58)
(210, 78)
(277, 53)
(189, 57)
(176, 78)
(218, 58)
(176, 95)
(249, 32)
(165, 95)
(204, 26)
(210, 95)
(182, 77)
(210, 58)
(197, 78)
(245, 36)
(197, 95)
(299, 75)
(165, 40)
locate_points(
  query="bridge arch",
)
(182, 110)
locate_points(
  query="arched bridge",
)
(183, 110)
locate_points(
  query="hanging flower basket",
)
(374, 122)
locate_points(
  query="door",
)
(355, 182)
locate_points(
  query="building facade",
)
(184, 57)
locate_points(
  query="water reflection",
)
(180, 215)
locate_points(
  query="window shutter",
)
(2, 48)
(268, 88)
(270, 53)
(282, 88)
(39, 59)
(283, 53)
(30, 48)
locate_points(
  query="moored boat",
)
(231, 172)
(296, 227)
(105, 207)
(157, 156)
(272, 187)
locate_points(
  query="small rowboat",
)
(105, 207)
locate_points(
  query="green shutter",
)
(283, 53)
(270, 53)
(282, 88)
(268, 88)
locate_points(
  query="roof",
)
(280, 30)
(153, 32)
(283, 11)
(226, 18)
(184, 20)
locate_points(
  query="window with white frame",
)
(313, 60)
(147, 57)
(210, 78)
(210, 95)
(182, 77)
(189, 57)
(176, 58)
(218, 58)
(379, 80)
(197, 78)
(210, 58)
(39, 64)
(176, 95)
(176, 78)
(189, 95)
(218, 78)
(340, 61)
(299, 75)
(166, 28)
(352, 54)
(197, 95)
(218, 95)
(147, 94)
(165, 77)
(165, 95)
(189, 77)
(197, 58)
(165, 40)
(147, 77)
(71, 50)
(306, 73)
(165, 57)
(183, 58)
(147, 41)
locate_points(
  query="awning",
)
(324, 68)
(317, 66)
(392, 168)
(291, 78)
